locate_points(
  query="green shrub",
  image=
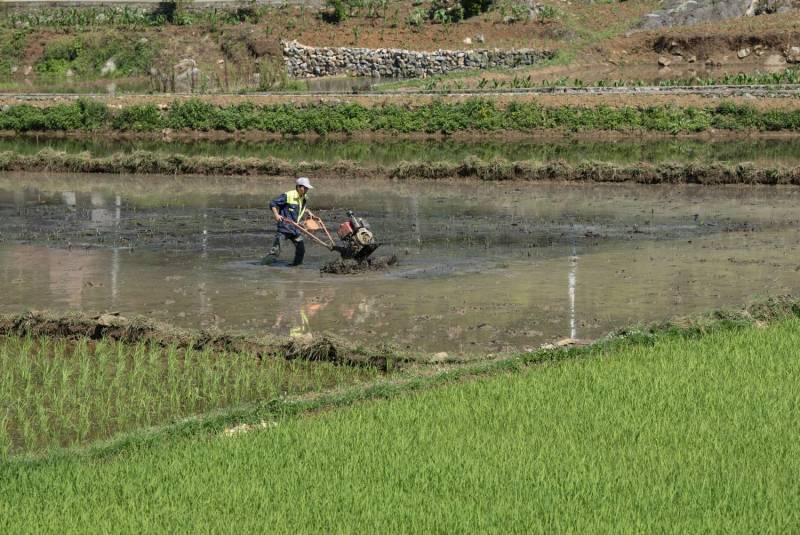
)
(475, 7)
(138, 118)
(87, 55)
(59, 56)
(445, 11)
(439, 116)
(416, 18)
(337, 11)
(93, 114)
(12, 47)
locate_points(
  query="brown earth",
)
(549, 100)
(353, 267)
(591, 37)
(705, 50)
(72, 326)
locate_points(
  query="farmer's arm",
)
(277, 203)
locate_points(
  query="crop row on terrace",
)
(672, 431)
(497, 169)
(789, 76)
(437, 117)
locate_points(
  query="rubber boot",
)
(299, 251)
(273, 253)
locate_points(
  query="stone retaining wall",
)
(308, 62)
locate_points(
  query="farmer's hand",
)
(278, 218)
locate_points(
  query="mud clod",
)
(325, 347)
(352, 267)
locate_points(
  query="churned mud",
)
(483, 267)
(354, 267)
(326, 347)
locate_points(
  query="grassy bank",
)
(480, 115)
(146, 162)
(676, 431)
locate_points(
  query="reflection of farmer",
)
(300, 312)
(290, 206)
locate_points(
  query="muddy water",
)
(483, 268)
(781, 151)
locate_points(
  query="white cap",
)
(303, 181)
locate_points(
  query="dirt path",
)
(746, 91)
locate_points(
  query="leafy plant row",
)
(435, 117)
(785, 77)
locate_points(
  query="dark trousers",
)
(299, 247)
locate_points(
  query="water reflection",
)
(473, 281)
(571, 284)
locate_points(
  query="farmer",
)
(286, 208)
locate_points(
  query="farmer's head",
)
(302, 185)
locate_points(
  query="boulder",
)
(109, 67)
(792, 54)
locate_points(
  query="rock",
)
(70, 73)
(467, 41)
(109, 67)
(792, 54)
(664, 61)
(14, 69)
(690, 12)
(774, 60)
(743, 53)
(691, 59)
(439, 357)
(110, 320)
(304, 61)
(479, 38)
(28, 70)
(187, 75)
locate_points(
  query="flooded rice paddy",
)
(483, 268)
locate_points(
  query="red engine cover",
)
(345, 229)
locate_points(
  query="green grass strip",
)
(476, 115)
(665, 432)
(146, 162)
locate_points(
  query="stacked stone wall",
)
(309, 62)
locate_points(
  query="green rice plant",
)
(58, 392)
(681, 430)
